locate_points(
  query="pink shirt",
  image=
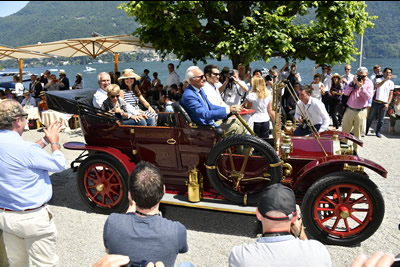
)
(359, 98)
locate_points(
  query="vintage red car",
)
(201, 168)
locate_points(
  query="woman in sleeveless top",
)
(132, 95)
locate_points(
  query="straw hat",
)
(128, 73)
(62, 72)
(78, 74)
(42, 93)
(336, 75)
(26, 92)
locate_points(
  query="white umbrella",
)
(92, 46)
(7, 53)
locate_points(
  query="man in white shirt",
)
(213, 88)
(383, 97)
(347, 77)
(104, 80)
(315, 110)
(173, 77)
(284, 242)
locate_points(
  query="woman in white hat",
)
(335, 96)
(78, 84)
(133, 96)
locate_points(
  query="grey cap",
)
(362, 69)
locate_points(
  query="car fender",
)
(342, 135)
(318, 168)
(124, 159)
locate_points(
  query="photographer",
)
(315, 110)
(359, 91)
(283, 231)
(235, 90)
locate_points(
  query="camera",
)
(360, 77)
(379, 75)
(231, 76)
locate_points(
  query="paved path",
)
(211, 235)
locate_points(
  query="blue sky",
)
(10, 7)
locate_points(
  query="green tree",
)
(251, 30)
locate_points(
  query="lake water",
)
(304, 68)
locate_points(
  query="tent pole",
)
(20, 68)
(116, 63)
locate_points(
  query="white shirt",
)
(349, 78)
(260, 106)
(173, 78)
(99, 97)
(19, 89)
(383, 92)
(316, 112)
(316, 92)
(214, 96)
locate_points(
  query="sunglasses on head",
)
(114, 96)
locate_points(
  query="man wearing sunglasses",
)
(26, 222)
(382, 98)
(201, 110)
(359, 92)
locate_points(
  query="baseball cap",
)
(278, 197)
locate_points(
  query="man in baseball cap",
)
(284, 242)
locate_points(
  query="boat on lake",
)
(7, 76)
(89, 69)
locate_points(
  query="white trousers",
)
(29, 237)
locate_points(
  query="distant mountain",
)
(46, 21)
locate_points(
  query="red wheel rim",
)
(103, 185)
(343, 210)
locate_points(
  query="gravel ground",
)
(211, 235)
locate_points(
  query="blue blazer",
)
(197, 109)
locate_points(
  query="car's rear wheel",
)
(102, 184)
(343, 208)
(242, 176)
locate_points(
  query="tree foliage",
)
(251, 30)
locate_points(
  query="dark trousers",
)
(333, 110)
(376, 108)
(261, 129)
(302, 132)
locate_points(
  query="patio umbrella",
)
(7, 53)
(91, 46)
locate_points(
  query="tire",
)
(108, 192)
(342, 218)
(224, 179)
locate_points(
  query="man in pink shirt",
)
(360, 90)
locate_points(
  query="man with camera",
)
(314, 109)
(359, 91)
(383, 97)
(283, 232)
(235, 90)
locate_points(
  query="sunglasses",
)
(201, 77)
(347, 69)
(324, 68)
(114, 96)
(23, 115)
(216, 73)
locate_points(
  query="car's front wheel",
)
(343, 208)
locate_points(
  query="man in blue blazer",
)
(201, 111)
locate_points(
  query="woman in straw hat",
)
(335, 96)
(133, 96)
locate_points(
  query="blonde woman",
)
(117, 106)
(260, 100)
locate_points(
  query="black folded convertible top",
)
(67, 101)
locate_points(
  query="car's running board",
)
(210, 204)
